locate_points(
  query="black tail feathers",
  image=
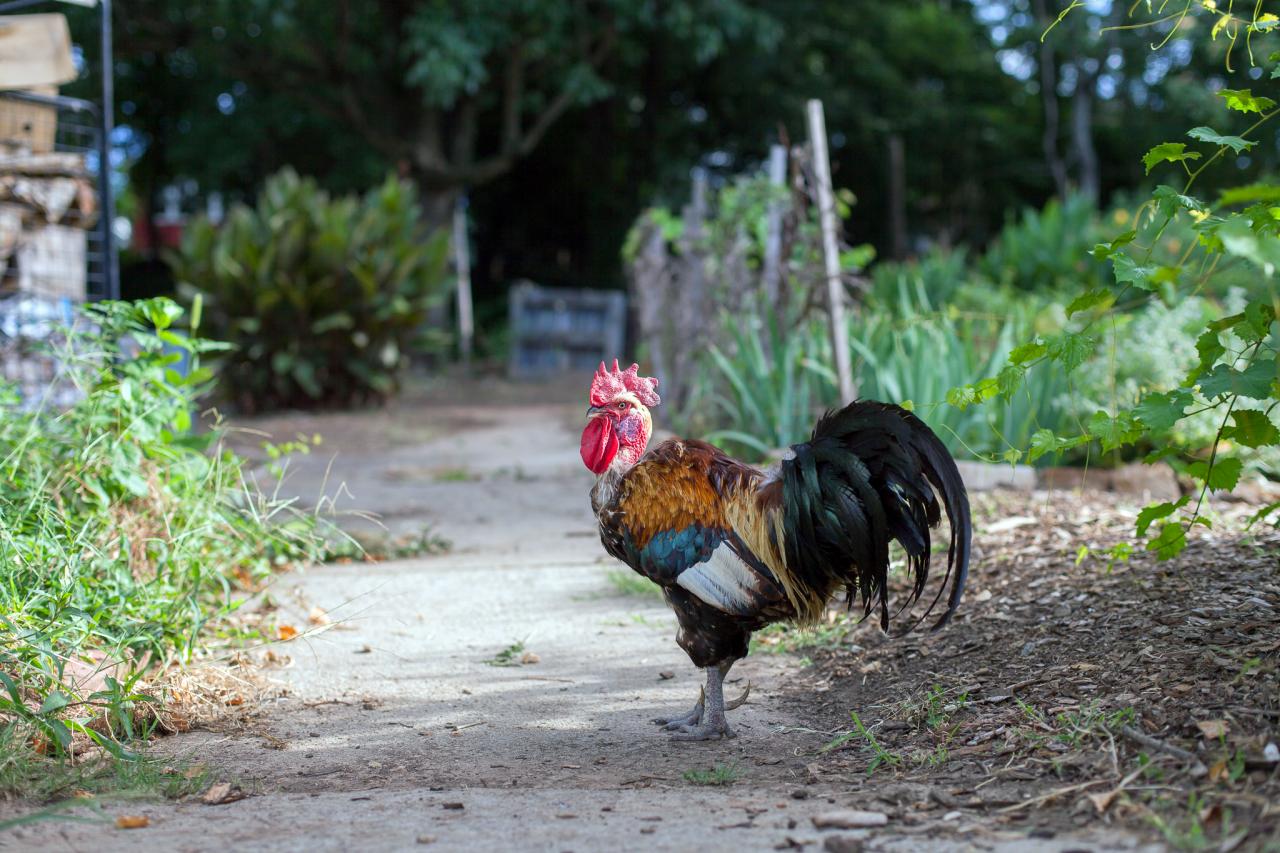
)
(871, 473)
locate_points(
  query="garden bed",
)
(1070, 693)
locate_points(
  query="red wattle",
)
(599, 444)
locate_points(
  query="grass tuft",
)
(721, 774)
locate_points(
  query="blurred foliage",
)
(219, 95)
(324, 300)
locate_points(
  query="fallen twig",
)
(1151, 743)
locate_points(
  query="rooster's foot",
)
(711, 724)
(690, 719)
(709, 730)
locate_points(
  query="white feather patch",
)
(724, 581)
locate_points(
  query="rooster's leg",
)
(694, 717)
(713, 724)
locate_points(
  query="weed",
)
(510, 656)
(125, 533)
(24, 771)
(455, 475)
(1188, 829)
(935, 710)
(627, 582)
(721, 774)
(880, 757)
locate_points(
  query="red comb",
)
(608, 384)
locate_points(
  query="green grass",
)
(780, 638)
(455, 475)
(721, 774)
(879, 756)
(126, 534)
(627, 582)
(510, 656)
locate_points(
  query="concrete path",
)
(399, 732)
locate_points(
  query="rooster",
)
(735, 548)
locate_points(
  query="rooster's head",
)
(618, 420)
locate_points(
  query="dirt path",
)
(397, 730)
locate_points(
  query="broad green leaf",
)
(55, 701)
(1248, 194)
(1155, 512)
(1097, 298)
(1127, 270)
(1222, 478)
(1243, 100)
(1210, 348)
(1013, 456)
(1010, 379)
(1072, 349)
(1252, 429)
(1258, 319)
(962, 397)
(1168, 152)
(1042, 441)
(1102, 251)
(1170, 543)
(1239, 238)
(1254, 381)
(1169, 201)
(1159, 412)
(1208, 134)
(1028, 352)
(1045, 441)
(1115, 431)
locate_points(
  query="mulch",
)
(1070, 693)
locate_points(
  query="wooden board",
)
(27, 126)
(50, 262)
(35, 50)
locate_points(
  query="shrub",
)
(322, 299)
(1048, 250)
(123, 529)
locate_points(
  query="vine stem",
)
(1217, 440)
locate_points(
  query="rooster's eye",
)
(621, 404)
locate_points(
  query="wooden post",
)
(773, 228)
(831, 250)
(462, 266)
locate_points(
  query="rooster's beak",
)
(592, 411)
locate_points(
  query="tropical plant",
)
(324, 300)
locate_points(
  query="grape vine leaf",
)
(1208, 134)
(1128, 270)
(1159, 412)
(1170, 543)
(1254, 381)
(1172, 152)
(1252, 428)
(1155, 512)
(1224, 475)
(1072, 349)
(1243, 100)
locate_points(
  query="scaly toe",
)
(705, 731)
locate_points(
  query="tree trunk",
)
(1086, 155)
(897, 197)
(1049, 97)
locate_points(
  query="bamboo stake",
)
(831, 250)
